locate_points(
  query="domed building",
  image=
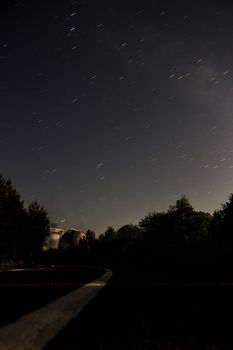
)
(53, 238)
(71, 239)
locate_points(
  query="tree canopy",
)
(179, 225)
(12, 219)
(181, 231)
(222, 224)
(22, 231)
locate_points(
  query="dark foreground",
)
(139, 313)
(24, 291)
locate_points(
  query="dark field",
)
(24, 291)
(136, 312)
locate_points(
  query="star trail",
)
(112, 109)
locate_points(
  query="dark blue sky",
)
(112, 109)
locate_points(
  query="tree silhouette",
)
(90, 235)
(128, 232)
(12, 220)
(181, 217)
(90, 242)
(22, 232)
(222, 224)
(155, 226)
(174, 231)
(110, 234)
(38, 225)
(187, 224)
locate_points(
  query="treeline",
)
(181, 236)
(23, 231)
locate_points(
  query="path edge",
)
(36, 329)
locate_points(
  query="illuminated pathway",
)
(36, 329)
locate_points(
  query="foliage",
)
(22, 232)
(110, 234)
(155, 226)
(222, 224)
(90, 236)
(12, 219)
(37, 229)
(187, 224)
(179, 224)
(128, 232)
(181, 234)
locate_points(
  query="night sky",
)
(112, 109)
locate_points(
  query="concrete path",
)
(36, 329)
